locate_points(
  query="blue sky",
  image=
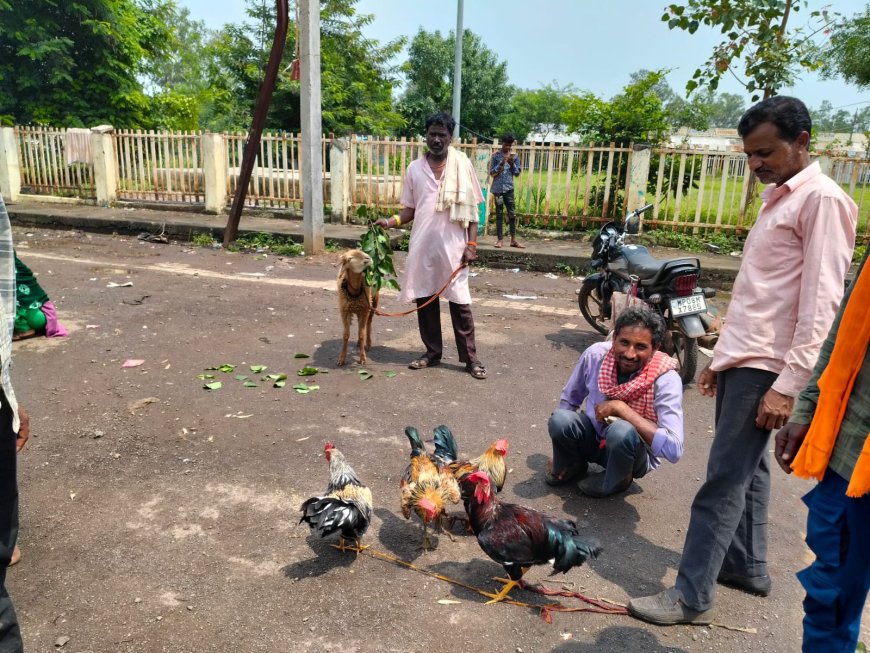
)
(593, 45)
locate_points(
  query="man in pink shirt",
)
(784, 301)
(444, 238)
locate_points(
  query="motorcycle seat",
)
(641, 262)
(650, 269)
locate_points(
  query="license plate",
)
(688, 305)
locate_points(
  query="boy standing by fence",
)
(503, 168)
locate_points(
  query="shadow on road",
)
(327, 354)
(617, 639)
(326, 558)
(628, 560)
(480, 574)
(573, 339)
(403, 538)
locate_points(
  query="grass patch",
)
(266, 242)
(664, 238)
(202, 239)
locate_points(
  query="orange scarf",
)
(835, 388)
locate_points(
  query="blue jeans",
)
(575, 441)
(838, 532)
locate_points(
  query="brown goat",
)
(355, 297)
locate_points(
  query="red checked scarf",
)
(638, 392)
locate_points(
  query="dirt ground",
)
(170, 524)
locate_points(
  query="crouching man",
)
(633, 413)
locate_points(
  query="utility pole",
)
(260, 110)
(457, 68)
(312, 126)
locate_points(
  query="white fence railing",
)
(561, 187)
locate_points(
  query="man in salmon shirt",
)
(784, 301)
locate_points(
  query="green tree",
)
(485, 94)
(539, 110)
(849, 52)
(758, 35)
(357, 76)
(693, 113)
(726, 110)
(78, 63)
(636, 114)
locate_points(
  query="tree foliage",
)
(828, 119)
(849, 51)
(758, 36)
(77, 63)
(357, 76)
(485, 93)
(634, 115)
(539, 110)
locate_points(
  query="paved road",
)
(172, 525)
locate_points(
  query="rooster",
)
(518, 537)
(346, 507)
(426, 487)
(490, 461)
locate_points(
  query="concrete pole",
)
(312, 131)
(214, 173)
(457, 68)
(10, 169)
(105, 167)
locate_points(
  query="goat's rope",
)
(428, 301)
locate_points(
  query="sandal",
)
(476, 369)
(567, 475)
(423, 362)
(514, 243)
(498, 243)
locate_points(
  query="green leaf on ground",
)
(226, 367)
(250, 384)
(308, 370)
(301, 388)
(390, 374)
(280, 383)
(217, 385)
(256, 369)
(240, 377)
(205, 376)
(364, 375)
(301, 355)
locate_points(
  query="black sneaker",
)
(758, 585)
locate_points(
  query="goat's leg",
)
(345, 318)
(362, 323)
(369, 327)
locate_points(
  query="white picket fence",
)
(561, 187)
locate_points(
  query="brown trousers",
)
(429, 321)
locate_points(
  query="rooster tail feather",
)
(417, 447)
(327, 515)
(445, 444)
(571, 549)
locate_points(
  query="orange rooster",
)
(426, 487)
(490, 461)
(346, 507)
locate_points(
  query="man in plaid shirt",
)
(14, 431)
(633, 413)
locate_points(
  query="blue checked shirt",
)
(505, 180)
(7, 311)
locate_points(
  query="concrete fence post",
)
(10, 170)
(638, 173)
(214, 172)
(826, 163)
(105, 165)
(339, 179)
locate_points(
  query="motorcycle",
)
(670, 286)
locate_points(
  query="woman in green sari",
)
(35, 313)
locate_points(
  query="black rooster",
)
(518, 537)
(346, 507)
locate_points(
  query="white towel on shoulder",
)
(457, 189)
